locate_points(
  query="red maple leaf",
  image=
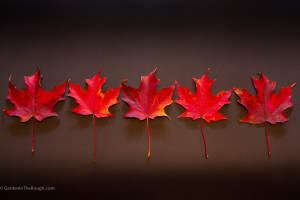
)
(203, 104)
(146, 102)
(93, 101)
(34, 101)
(265, 106)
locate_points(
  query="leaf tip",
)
(206, 156)
(124, 80)
(148, 156)
(168, 117)
(293, 85)
(9, 78)
(207, 69)
(32, 150)
(259, 73)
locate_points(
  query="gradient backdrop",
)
(128, 39)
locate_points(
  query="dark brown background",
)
(72, 39)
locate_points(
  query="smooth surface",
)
(128, 40)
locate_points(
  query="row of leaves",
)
(146, 102)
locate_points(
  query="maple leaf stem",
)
(148, 138)
(206, 156)
(95, 138)
(267, 139)
(32, 149)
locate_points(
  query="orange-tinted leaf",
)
(34, 101)
(93, 101)
(146, 102)
(203, 104)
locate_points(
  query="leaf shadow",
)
(274, 130)
(17, 128)
(157, 127)
(82, 120)
(277, 130)
(241, 110)
(102, 122)
(46, 126)
(134, 127)
(59, 105)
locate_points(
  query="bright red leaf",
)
(203, 104)
(146, 102)
(34, 101)
(265, 106)
(93, 101)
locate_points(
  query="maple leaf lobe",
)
(93, 101)
(34, 101)
(146, 101)
(265, 105)
(202, 104)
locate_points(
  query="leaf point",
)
(260, 74)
